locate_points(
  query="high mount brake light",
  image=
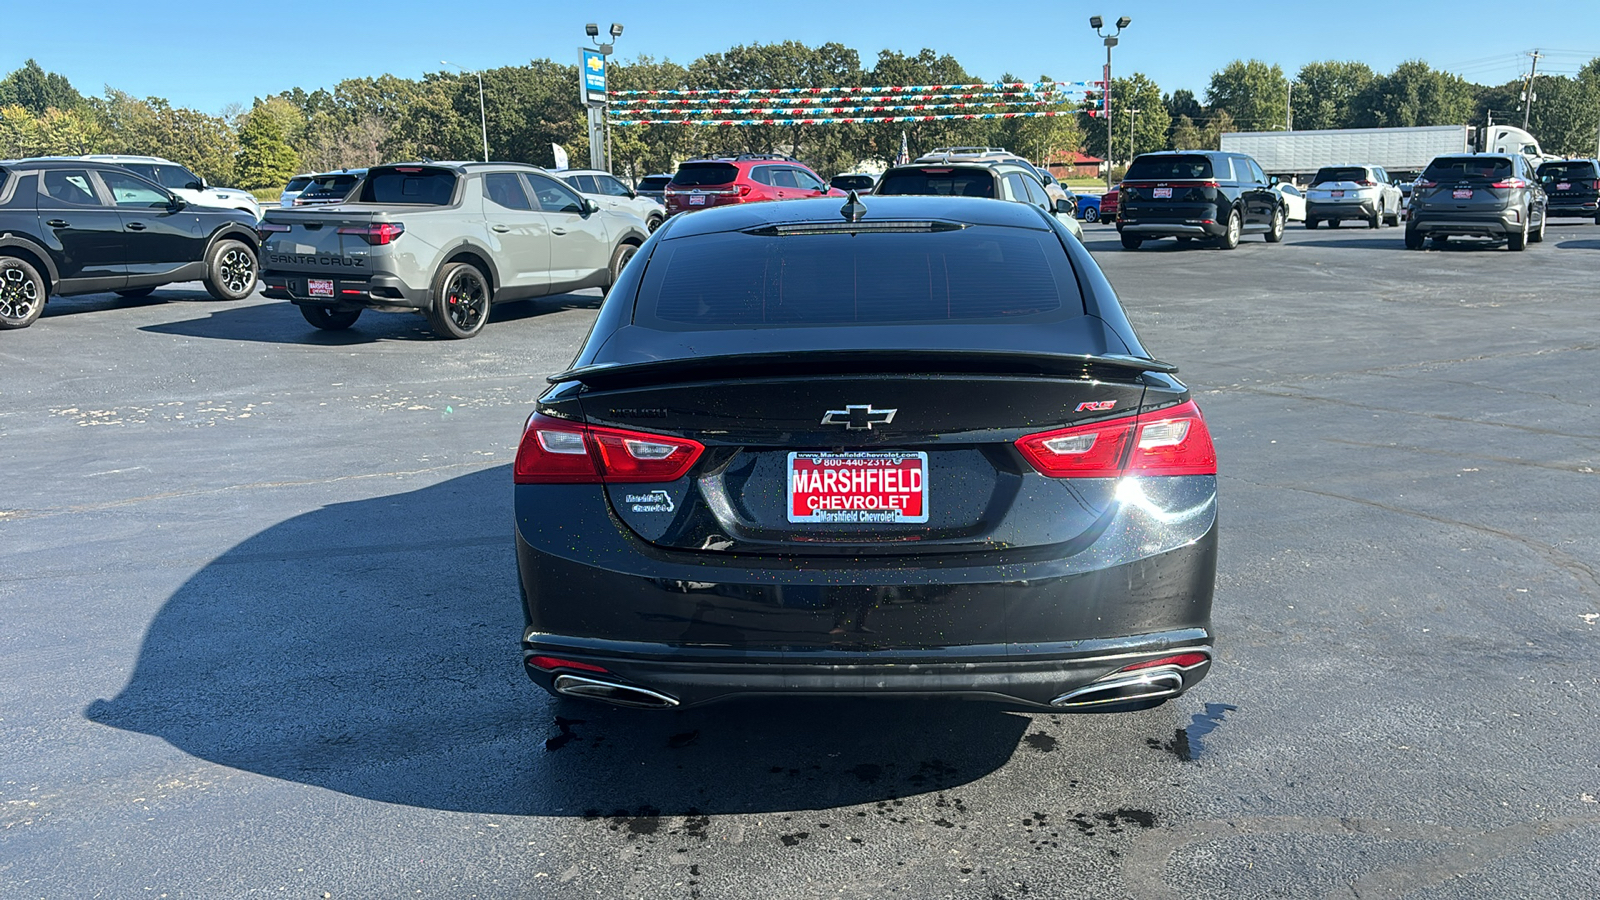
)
(557, 452)
(1169, 442)
(376, 235)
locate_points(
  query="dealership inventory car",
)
(609, 191)
(329, 188)
(183, 183)
(294, 187)
(1361, 193)
(999, 180)
(72, 226)
(1484, 195)
(1108, 205)
(1573, 187)
(654, 187)
(860, 183)
(902, 446)
(748, 178)
(1187, 194)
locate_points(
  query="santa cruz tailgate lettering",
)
(879, 486)
(296, 260)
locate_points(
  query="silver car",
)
(447, 240)
(1360, 193)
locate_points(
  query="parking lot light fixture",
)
(1097, 24)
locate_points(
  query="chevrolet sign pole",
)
(592, 93)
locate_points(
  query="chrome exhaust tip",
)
(1147, 684)
(611, 692)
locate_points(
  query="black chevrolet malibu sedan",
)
(909, 446)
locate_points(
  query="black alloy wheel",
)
(329, 319)
(460, 302)
(231, 271)
(22, 293)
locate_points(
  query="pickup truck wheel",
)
(460, 302)
(22, 293)
(619, 261)
(330, 319)
(231, 271)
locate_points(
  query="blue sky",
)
(210, 54)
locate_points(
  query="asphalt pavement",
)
(260, 621)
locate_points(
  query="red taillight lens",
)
(744, 190)
(376, 235)
(1510, 183)
(1182, 661)
(1425, 184)
(1597, 185)
(548, 663)
(265, 228)
(1365, 183)
(557, 452)
(1170, 442)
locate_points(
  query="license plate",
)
(1564, 186)
(1461, 194)
(1337, 195)
(697, 199)
(858, 487)
(319, 287)
(1162, 193)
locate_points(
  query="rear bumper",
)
(1328, 210)
(1576, 208)
(372, 292)
(1185, 228)
(1493, 225)
(1020, 626)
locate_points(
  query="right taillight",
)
(554, 451)
(376, 234)
(1170, 442)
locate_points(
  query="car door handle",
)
(502, 229)
(135, 226)
(558, 231)
(59, 223)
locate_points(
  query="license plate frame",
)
(1461, 194)
(1161, 193)
(1337, 195)
(1563, 185)
(697, 199)
(319, 287)
(913, 492)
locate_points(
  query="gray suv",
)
(446, 240)
(1484, 195)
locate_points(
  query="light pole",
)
(483, 117)
(1097, 24)
(593, 31)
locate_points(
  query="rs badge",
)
(1096, 405)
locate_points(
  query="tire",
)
(619, 260)
(1376, 221)
(653, 223)
(1394, 220)
(1518, 241)
(1439, 240)
(329, 319)
(231, 270)
(1333, 223)
(22, 293)
(1131, 242)
(1230, 238)
(1106, 220)
(1311, 224)
(136, 293)
(1413, 239)
(1275, 233)
(1537, 237)
(461, 299)
(1184, 238)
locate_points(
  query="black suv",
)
(1573, 188)
(1484, 195)
(1198, 194)
(71, 226)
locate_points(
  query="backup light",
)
(554, 451)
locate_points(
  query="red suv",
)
(702, 183)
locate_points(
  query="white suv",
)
(1362, 193)
(611, 193)
(186, 184)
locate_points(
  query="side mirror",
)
(175, 203)
(1063, 205)
(590, 207)
(633, 194)
(195, 186)
(1272, 180)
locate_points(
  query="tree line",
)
(364, 121)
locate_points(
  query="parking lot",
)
(262, 621)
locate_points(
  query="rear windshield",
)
(1493, 168)
(703, 174)
(331, 186)
(851, 182)
(297, 184)
(978, 274)
(1567, 171)
(416, 185)
(938, 180)
(654, 182)
(1341, 173)
(1167, 168)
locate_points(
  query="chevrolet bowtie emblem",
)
(859, 417)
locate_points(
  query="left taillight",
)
(376, 234)
(1172, 441)
(554, 451)
(265, 229)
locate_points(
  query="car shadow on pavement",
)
(1583, 244)
(371, 648)
(280, 323)
(94, 303)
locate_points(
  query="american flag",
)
(904, 156)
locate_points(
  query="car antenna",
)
(853, 209)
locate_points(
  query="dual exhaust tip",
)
(612, 692)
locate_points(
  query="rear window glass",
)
(941, 181)
(701, 174)
(1341, 173)
(852, 182)
(410, 184)
(654, 183)
(1567, 171)
(330, 186)
(1493, 167)
(978, 274)
(297, 184)
(1159, 168)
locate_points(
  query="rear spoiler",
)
(856, 362)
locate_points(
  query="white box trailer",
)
(1302, 153)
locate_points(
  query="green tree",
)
(1186, 135)
(265, 158)
(1253, 93)
(36, 90)
(1326, 94)
(1140, 132)
(1414, 94)
(20, 134)
(206, 144)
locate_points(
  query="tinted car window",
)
(945, 182)
(1157, 168)
(1255, 170)
(1340, 173)
(743, 280)
(1571, 170)
(504, 189)
(809, 181)
(130, 191)
(297, 183)
(414, 185)
(783, 176)
(329, 187)
(704, 174)
(611, 187)
(1472, 167)
(654, 183)
(1035, 190)
(70, 186)
(553, 196)
(761, 174)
